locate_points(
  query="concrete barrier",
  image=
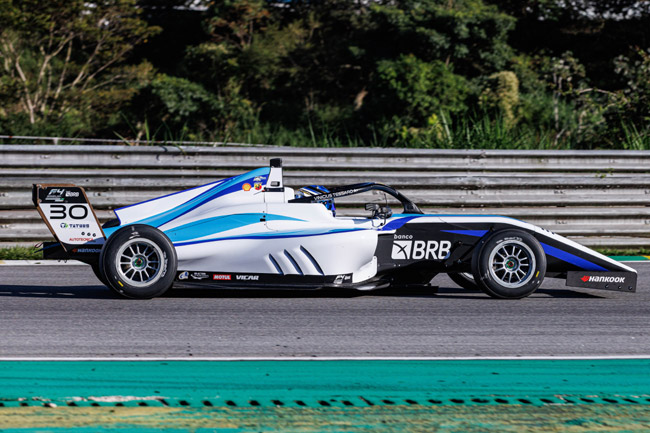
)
(599, 198)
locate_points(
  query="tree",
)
(468, 33)
(64, 57)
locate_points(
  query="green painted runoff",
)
(291, 380)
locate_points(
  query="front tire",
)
(139, 261)
(510, 264)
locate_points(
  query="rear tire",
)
(139, 262)
(99, 274)
(510, 264)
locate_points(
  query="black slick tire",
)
(97, 270)
(139, 262)
(509, 264)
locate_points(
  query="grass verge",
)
(20, 253)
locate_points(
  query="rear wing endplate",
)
(69, 216)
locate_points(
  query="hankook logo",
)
(420, 250)
(602, 279)
(87, 250)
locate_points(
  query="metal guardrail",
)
(599, 198)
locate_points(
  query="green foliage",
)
(420, 88)
(171, 107)
(636, 75)
(468, 33)
(61, 61)
(502, 93)
(635, 139)
(459, 74)
(20, 253)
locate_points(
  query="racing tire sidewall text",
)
(526, 264)
(148, 237)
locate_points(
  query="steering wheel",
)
(379, 211)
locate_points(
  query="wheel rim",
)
(139, 262)
(512, 263)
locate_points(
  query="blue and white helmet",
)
(313, 190)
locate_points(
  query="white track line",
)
(335, 358)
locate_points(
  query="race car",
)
(252, 231)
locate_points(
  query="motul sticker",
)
(221, 277)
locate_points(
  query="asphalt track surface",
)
(62, 311)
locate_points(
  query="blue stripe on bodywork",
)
(477, 233)
(229, 185)
(214, 225)
(398, 223)
(570, 258)
(215, 183)
(270, 235)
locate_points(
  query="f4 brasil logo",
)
(420, 250)
(602, 279)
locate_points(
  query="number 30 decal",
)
(76, 212)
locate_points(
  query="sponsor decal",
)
(72, 193)
(56, 194)
(61, 211)
(183, 275)
(75, 226)
(199, 275)
(259, 178)
(246, 187)
(602, 279)
(221, 277)
(403, 237)
(87, 250)
(80, 239)
(606, 280)
(258, 186)
(420, 250)
(331, 195)
(247, 277)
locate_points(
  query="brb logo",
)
(420, 250)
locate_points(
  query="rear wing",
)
(69, 216)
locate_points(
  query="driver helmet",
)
(312, 190)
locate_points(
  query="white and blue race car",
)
(252, 231)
